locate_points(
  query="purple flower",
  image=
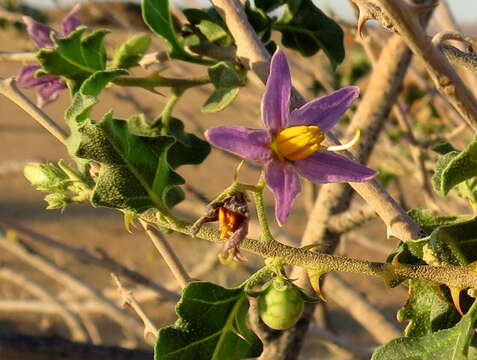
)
(291, 144)
(50, 86)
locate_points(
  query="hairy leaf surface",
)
(425, 311)
(455, 167)
(134, 170)
(449, 344)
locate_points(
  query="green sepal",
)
(211, 325)
(307, 29)
(448, 344)
(75, 56)
(131, 52)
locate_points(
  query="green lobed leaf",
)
(227, 86)
(157, 16)
(448, 344)
(428, 221)
(134, 171)
(220, 99)
(307, 29)
(211, 325)
(259, 20)
(455, 244)
(131, 52)
(209, 23)
(188, 148)
(425, 311)
(75, 57)
(454, 168)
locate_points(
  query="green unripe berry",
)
(281, 304)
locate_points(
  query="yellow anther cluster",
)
(298, 142)
(228, 222)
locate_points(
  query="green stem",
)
(261, 212)
(166, 115)
(256, 278)
(457, 276)
(155, 80)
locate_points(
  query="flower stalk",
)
(261, 211)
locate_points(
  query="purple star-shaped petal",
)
(281, 174)
(282, 179)
(251, 144)
(276, 99)
(325, 111)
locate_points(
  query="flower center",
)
(298, 142)
(229, 221)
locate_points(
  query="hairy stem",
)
(458, 276)
(261, 211)
(156, 80)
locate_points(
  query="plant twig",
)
(18, 56)
(167, 253)
(9, 90)
(350, 219)
(103, 261)
(71, 320)
(150, 330)
(10, 16)
(349, 346)
(356, 304)
(70, 281)
(403, 18)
